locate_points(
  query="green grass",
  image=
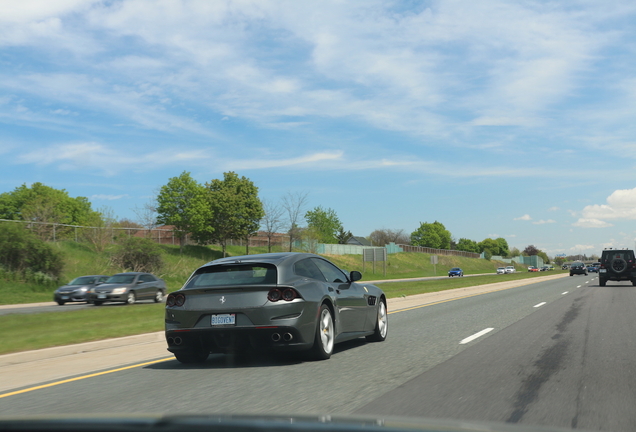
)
(81, 260)
(34, 331)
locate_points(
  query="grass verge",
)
(22, 332)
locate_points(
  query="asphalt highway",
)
(555, 353)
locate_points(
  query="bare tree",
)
(382, 237)
(147, 216)
(294, 205)
(100, 232)
(272, 222)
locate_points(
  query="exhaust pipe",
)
(288, 337)
(170, 341)
(177, 341)
(276, 337)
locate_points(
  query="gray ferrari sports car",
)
(275, 301)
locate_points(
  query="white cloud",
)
(541, 222)
(109, 197)
(621, 205)
(591, 223)
(553, 209)
(580, 248)
(525, 217)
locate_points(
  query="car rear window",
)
(233, 275)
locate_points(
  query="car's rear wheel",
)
(192, 356)
(602, 282)
(131, 298)
(381, 324)
(97, 303)
(61, 303)
(159, 296)
(325, 334)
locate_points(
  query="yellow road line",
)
(26, 390)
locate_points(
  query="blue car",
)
(455, 271)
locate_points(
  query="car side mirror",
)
(140, 281)
(355, 276)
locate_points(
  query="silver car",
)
(128, 288)
(78, 289)
(277, 301)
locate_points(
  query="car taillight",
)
(175, 300)
(288, 294)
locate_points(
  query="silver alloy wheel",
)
(383, 322)
(159, 297)
(131, 298)
(326, 331)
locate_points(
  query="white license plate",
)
(65, 297)
(101, 296)
(602, 270)
(223, 319)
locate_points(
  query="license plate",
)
(101, 296)
(65, 297)
(602, 270)
(223, 319)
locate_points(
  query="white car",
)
(501, 270)
(510, 269)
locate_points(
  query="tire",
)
(619, 265)
(159, 296)
(381, 324)
(61, 303)
(325, 335)
(131, 298)
(601, 282)
(571, 274)
(193, 356)
(97, 303)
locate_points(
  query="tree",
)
(530, 251)
(45, 206)
(467, 245)
(182, 204)
(272, 221)
(514, 252)
(381, 237)
(294, 205)
(23, 253)
(343, 236)
(234, 208)
(324, 223)
(99, 232)
(504, 249)
(138, 254)
(489, 245)
(432, 235)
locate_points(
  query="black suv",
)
(617, 265)
(578, 268)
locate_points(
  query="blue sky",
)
(497, 118)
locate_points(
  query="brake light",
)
(288, 294)
(176, 300)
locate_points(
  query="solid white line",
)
(476, 335)
(579, 286)
(540, 304)
(564, 293)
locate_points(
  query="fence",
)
(421, 249)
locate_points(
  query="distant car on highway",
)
(592, 268)
(510, 269)
(533, 269)
(128, 288)
(578, 268)
(455, 271)
(77, 289)
(501, 270)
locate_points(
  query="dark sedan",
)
(277, 301)
(77, 289)
(578, 268)
(128, 288)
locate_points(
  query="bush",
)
(23, 253)
(138, 254)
